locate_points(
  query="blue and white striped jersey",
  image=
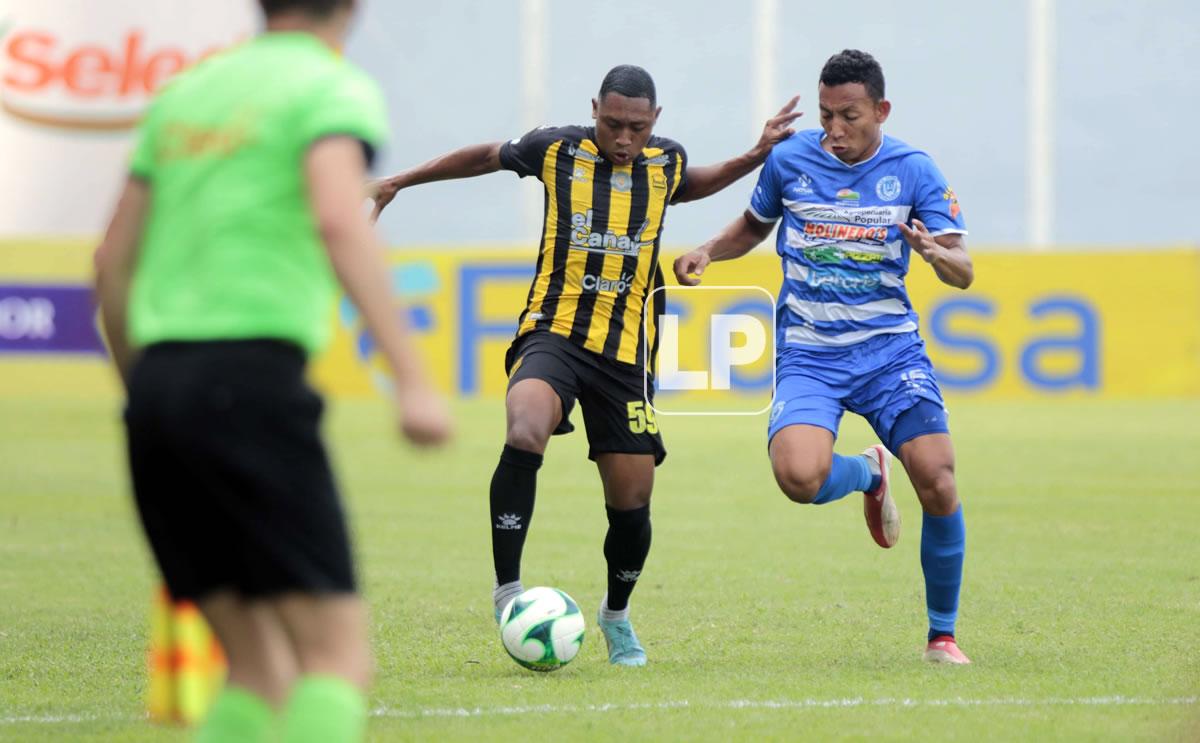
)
(844, 259)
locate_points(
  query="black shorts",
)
(613, 395)
(231, 479)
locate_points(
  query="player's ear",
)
(595, 108)
(657, 111)
(882, 109)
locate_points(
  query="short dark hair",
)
(854, 66)
(630, 81)
(314, 8)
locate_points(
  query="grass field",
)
(763, 620)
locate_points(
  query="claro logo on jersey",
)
(103, 81)
(593, 283)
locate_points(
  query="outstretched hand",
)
(382, 190)
(690, 266)
(920, 240)
(778, 127)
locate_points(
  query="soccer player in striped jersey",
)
(581, 334)
(854, 204)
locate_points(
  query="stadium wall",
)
(1090, 324)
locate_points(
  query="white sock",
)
(608, 615)
(873, 465)
(501, 595)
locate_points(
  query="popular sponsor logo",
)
(593, 283)
(847, 194)
(583, 237)
(85, 83)
(948, 195)
(887, 188)
(870, 216)
(56, 319)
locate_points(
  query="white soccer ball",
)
(542, 629)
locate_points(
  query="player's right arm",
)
(737, 239)
(465, 162)
(741, 235)
(335, 169)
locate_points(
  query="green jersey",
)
(231, 249)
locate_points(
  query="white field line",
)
(784, 704)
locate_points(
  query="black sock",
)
(513, 488)
(625, 548)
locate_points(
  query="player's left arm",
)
(947, 253)
(114, 261)
(706, 180)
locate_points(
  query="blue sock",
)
(943, 544)
(847, 475)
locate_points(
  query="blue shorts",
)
(879, 379)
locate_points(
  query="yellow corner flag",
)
(186, 664)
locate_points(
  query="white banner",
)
(75, 75)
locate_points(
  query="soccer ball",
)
(542, 629)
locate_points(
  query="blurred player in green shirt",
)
(217, 279)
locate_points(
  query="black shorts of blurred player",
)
(233, 485)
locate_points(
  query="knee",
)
(799, 484)
(629, 498)
(526, 436)
(938, 492)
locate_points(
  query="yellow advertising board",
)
(1081, 323)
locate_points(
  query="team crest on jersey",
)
(888, 188)
(622, 182)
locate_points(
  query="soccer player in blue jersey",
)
(854, 204)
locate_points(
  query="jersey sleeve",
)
(524, 155)
(766, 203)
(935, 203)
(682, 184)
(350, 105)
(141, 163)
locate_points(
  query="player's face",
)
(852, 121)
(623, 126)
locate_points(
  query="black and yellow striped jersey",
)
(601, 233)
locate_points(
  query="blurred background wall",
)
(1063, 126)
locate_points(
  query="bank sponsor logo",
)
(870, 216)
